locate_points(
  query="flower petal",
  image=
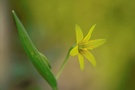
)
(88, 36)
(74, 51)
(95, 43)
(79, 34)
(81, 61)
(90, 57)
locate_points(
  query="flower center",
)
(82, 49)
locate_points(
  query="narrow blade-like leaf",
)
(38, 59)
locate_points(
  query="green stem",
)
(63, 64)
(55, 88)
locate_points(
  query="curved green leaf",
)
(39, 60)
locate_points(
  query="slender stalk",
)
(55, 89)
(63, 64)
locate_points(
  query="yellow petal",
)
(79, 34)
(81, 61)
(74, 51)
(90, 57)
(95, 43)
(88, 36)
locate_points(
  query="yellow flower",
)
(83, 46)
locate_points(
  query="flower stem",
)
(63, 64)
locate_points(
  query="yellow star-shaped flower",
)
(83, 46)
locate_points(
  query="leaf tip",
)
(13, 11)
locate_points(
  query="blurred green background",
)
(51, 26)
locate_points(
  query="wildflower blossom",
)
(83, 45)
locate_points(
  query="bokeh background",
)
(51, 26)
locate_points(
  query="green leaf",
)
(46, 60)
(39, 60)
